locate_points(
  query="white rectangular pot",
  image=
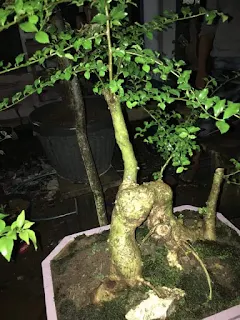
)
(229, 314)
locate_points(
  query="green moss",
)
(157, 271)
(221, 261)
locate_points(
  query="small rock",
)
(154, 308)
(53, 185)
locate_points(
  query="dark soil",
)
(81, 267)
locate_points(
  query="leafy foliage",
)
(20, 228)
(127, 71)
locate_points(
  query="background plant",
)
(20, 228)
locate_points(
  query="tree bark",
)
(75, 99)
(210, 218)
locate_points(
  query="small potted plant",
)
(146, 240)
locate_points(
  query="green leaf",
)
(42, 37)
(146, 68)
(19, 58)
(77, 44)
(2, 225)
(102, 73)
(149, 35)
(87, 75)
(224, 18)
(180, 170)
(140, 60)
(24, 236)
(203, 94)
(6, 247)
(20, 220)
(118, 12)
(99, 18)
(69, 56)
(87, 44)
(113, 86)
(219, 107)
(222, 126)
(32, 237)
(183, 135)
(33, 19)
(28, 224)
(12, 234)
(232, 109)
(28, 27)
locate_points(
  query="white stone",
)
(154, 308)
(53, 185)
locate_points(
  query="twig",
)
(108, 32)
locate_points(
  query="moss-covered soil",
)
(81, 267)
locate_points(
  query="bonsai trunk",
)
(210, 218)
(75, 98)
(133, 205)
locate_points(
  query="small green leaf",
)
(99, 18)
(219, 107)
(12, 234)
(2, 225)
(180, 170)
(224, 18)
(146, 68)
(20, 220)
(203, 94)
(101, 73)
(232, 109)
(19, 58)
(87, 44)
(32, 237)
(33, 19)
(28, 27)
(183, 134)
(149, 35)
(87, 75)
(69, 56)
(6, 247)
(28, 224)
(42, 37)
(24, 236)
(222, 126)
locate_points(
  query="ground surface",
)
(21, 291)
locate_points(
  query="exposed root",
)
(172, 258)
(196, 256)
(149, 285)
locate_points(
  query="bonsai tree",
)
(113, 50)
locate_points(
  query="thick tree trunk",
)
(75, 99)
(210, 218)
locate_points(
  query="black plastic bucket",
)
(55, 126)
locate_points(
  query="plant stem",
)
(165, 166)
(75, 98)
(210, 218)
(108, 32)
